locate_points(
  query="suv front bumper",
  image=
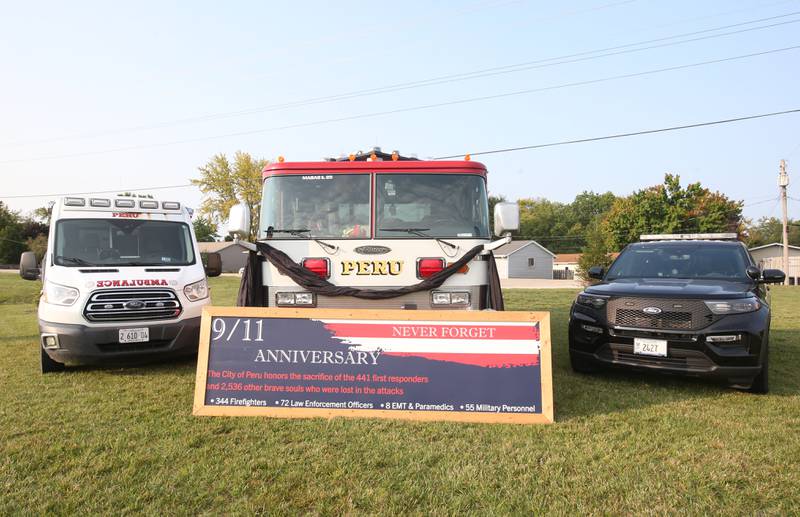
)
(688, 352)
(86, 345)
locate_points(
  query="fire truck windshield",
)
(337, 206)
(122, 242)
(445, 205)
(333, 206)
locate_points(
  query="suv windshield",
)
(120, 242)
(328, 206)
(437, 205)
(681, 260)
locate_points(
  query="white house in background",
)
(233, 254)
(565, 265)
(770, 256)
(524, 259)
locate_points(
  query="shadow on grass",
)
(613, 390)
(155, 365)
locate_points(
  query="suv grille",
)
(674, 315)
(132, 305)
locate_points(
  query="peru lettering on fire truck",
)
(377, 221)
(122, 278)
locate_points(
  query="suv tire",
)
(581, 365)
(761, 382)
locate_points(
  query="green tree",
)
(225, 184)
(12, 238)
(670, 208)
(205, 230)
(596, 251)
(43, 213)
(38, 245)
(770, 229)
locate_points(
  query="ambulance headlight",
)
(57, 294)
(196, 291)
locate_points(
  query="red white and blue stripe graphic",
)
(490, 344)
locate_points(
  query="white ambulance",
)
(122, 279)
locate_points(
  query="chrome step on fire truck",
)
(376, 221)
(122, 279)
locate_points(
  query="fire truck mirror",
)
(506, 218)
(239, 221)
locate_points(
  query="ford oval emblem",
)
(372, 250)
(134, 304)
(651, 310)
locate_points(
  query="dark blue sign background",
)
(462, 386)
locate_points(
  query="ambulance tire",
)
(49, 365)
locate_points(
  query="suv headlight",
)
(196, 291)
(57, 294)
(591, 300)
(733, 306)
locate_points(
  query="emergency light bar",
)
(124, 203)
(99, 202)
(690, 237)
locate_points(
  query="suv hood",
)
(673, 287)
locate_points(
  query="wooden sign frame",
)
(201, 408)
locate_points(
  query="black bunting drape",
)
(251, 290)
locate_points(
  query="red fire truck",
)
(374, 230)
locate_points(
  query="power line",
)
(622, 135)
(463, 76)
(23, 196)
(426, 107)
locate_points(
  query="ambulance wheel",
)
(49, 365)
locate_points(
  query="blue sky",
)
(89, 78)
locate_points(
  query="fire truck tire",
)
(49, 365)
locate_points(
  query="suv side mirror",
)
(239, 221)
(596, 272)
(213, 264)
(754, 273)
(28, 269)
(506, 218)
(773, 276)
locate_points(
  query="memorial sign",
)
(423, 365)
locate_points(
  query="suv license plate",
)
(134, 335)
(643, 346)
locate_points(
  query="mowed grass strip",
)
(123, 440)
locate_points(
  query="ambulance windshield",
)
(122, 242)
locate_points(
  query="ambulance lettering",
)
(131, 283)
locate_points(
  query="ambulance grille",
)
(132, 305)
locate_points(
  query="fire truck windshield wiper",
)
(296, 232)
(419, 232)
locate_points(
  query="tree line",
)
(594, 224)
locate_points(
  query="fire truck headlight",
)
(460, 298)
(57, 294)
(196, 291)
(302, 298)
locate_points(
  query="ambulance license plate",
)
(141, 335)
(643, 346)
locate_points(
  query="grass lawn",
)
(123, 440)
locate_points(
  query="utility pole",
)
(783, 182)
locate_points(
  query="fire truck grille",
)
(132, 305)
(659, 313)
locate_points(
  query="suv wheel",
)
(49, 365)
(581, 365)
(761, 382)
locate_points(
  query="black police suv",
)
(674, 304)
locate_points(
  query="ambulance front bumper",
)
(74, 343)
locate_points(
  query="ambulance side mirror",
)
(239, 221)
(506, 218)
(213, 264)
(27, 266)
